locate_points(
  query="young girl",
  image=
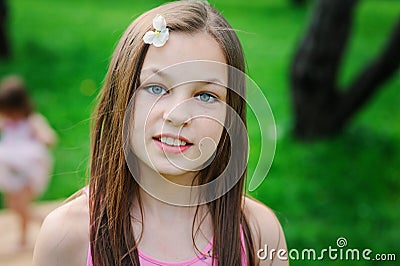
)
(25, 161)
(169, 123)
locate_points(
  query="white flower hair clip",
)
(160, 35)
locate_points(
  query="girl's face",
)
(178, 115)
(13, 114)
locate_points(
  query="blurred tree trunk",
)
(4, 44)
(321, 108)
(298, 2)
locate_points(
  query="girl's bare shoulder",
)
(64, 236)
(266, 229)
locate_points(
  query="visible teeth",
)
(177, 142)
(172, 141)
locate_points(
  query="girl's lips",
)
(166, 148)
(171, 149)
(172, 136)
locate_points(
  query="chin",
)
(171, 171)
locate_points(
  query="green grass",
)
(348, 186)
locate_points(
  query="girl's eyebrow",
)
(156, 72)
(150, 72)
(213, 81)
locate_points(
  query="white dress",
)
(24, 155)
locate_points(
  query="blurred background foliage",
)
(347, 186)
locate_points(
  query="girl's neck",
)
(156, 208)
(165, 212)
(168, 191)
(179, 219)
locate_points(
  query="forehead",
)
(187, 56)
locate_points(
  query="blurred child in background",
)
(25, 161)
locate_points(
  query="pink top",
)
(202, 259)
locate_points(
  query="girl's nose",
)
(179, 114)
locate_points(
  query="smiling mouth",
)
(172, 141)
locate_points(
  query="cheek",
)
(216, 126)
(140, 119)
(210, 128)
(142, 112)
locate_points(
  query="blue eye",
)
(156, 89)
(206, 97)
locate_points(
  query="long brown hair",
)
(113, 190)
